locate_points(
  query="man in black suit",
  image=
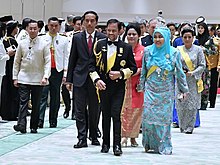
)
(112, 63)
(148, 39)
(78, 77)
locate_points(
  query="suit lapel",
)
(84, 41)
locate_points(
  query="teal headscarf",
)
(161, 56)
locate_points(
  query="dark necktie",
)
(112, 42)
(90, 44)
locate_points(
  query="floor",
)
(54, 146)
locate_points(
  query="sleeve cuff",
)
(126, 73)
(94, 76)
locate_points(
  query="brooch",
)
(122, 63)
(158, 70)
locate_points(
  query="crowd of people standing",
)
(146, 76)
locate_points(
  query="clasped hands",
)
(113, 75)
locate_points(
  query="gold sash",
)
(191, 67)
(111, 61)
(151, 70)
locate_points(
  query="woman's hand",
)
(189, 74)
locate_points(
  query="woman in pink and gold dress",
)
(133, 104)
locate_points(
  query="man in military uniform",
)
(65, 93)
(59, 61)
(113, 62)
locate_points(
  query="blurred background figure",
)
(9, 95)
(3, 55)
(173, 29)
(69, 23)
(23, 34)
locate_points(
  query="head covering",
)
(10, 26)
(6, 18)
(203, 38)
(160, 56)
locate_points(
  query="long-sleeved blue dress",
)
(159, 98)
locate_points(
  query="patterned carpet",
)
(53, 146)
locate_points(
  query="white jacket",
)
(32, 61)
(3, 58)
(61, 51)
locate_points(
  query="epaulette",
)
(62, 34)
(42, 34)
(76, 32)
(7, 38)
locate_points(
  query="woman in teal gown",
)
(161, 64)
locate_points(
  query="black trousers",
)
(24, 92)
(66, 99)
(213, 86)
(111, 104)
(83, 96)
(55, 81)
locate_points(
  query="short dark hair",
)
(212, 28)
(171, 24)
(25, 22)
(187, 30)
(91, 12)
(53, 19)
(122, 25)
(110, 21)
(40, 24)
(32, 21)
(76, 18)
(134, 26)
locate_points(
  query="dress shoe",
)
(66, 114)
(40, 124)
(189, 131)
(53, 125)
(95, 142)
(33, 130)
(19, 128)
(133, 142)
(104, 149)
(80, 144)
(175, 125)
(117, 151)
(211, 106)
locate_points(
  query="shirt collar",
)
(87, 35)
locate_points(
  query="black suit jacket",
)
(79, 58)
(147, 40)
(124, 59)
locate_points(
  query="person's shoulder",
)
(63, 34)
(100, 34)
(41, 34)
(196, 47)
(147, 37)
